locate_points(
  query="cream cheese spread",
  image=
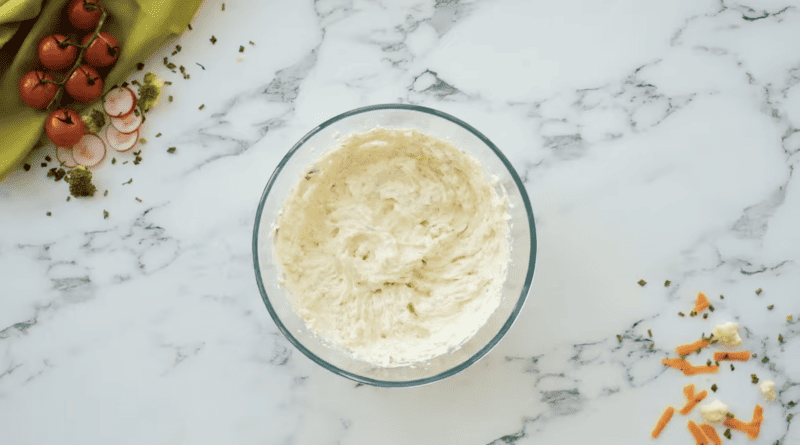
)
(394, 246)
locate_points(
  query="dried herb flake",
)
(641, 282)
(714, 387)
(171, 150)
(213, 40)
(758, 291)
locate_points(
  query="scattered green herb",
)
(80, 182)
(201, 106)
(140, 66)
(780, 338)
(753, 378)
(68, 198)
(729, 415)
(223, 6)
(143, 140)
(619, 338)
(186, 76)
(26, 167)
(251, 42)
(138, 199)
(169, 98)
(182, 69)
(705, 316)
(189, 25)
(411, 308)
(791, 404)
(48, 213)
(213, 40)
(158, 135)
(708, 363)
(667, 283)
(105, 193)
(241, 49)
(649, 333)
(129, 181)
(711, 307)
(714, 387)
(113, 160)
(732, 368)
(171, 66)
(722, 297)
(201, 66)
(94, 121)
(641, 282)
(765, 360)
(771, 306)
(149, 91)
(105, 214)
(758, 291)
(167, 82)
(166, 61)
(789, 417)
(681, 314)
(727, 433)
(171, 150)
(789, 318)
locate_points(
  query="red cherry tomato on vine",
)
(103, 51)
(81, 17)
(85, 84)
(64, 127)
(34, 92)
(54, 54)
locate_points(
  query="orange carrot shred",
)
(662, 422)
(753, 428)
(692, 403)
(701, 303)
(691, 347)
(739, 356)
(692, 370)
(711, 433)
(677, 363)
(688, 390)
(699, 437)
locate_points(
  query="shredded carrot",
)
(693, 402)
(688, 390)
(739, 356)
(691, 347)
(753, 428)
(699, 437)
(692, 370)
(711, 433)
(701, 303)
(677, 363)
(662, 422)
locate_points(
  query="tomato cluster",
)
(59, 53)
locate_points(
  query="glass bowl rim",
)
(480, 353)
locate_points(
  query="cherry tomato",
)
(54, 54)
(84, 85)
(81, 17)
(64, 127)
(34, 92)
(103, 51)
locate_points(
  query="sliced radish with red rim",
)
(119, 102)
(90, 151)
(129, 123)
(121, 141)
(64, 157)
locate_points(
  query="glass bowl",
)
(464, 137)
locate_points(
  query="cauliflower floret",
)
(714, 411)
(768, 389)
(728, 334)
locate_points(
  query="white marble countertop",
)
(657, 141)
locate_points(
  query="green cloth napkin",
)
(140, 26)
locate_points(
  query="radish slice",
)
(64, 157)
(129, 123)
(119, 102)
(90, 151)
(121, 141)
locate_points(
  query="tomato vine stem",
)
(60, 93)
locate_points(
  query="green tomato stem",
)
(57, 98)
